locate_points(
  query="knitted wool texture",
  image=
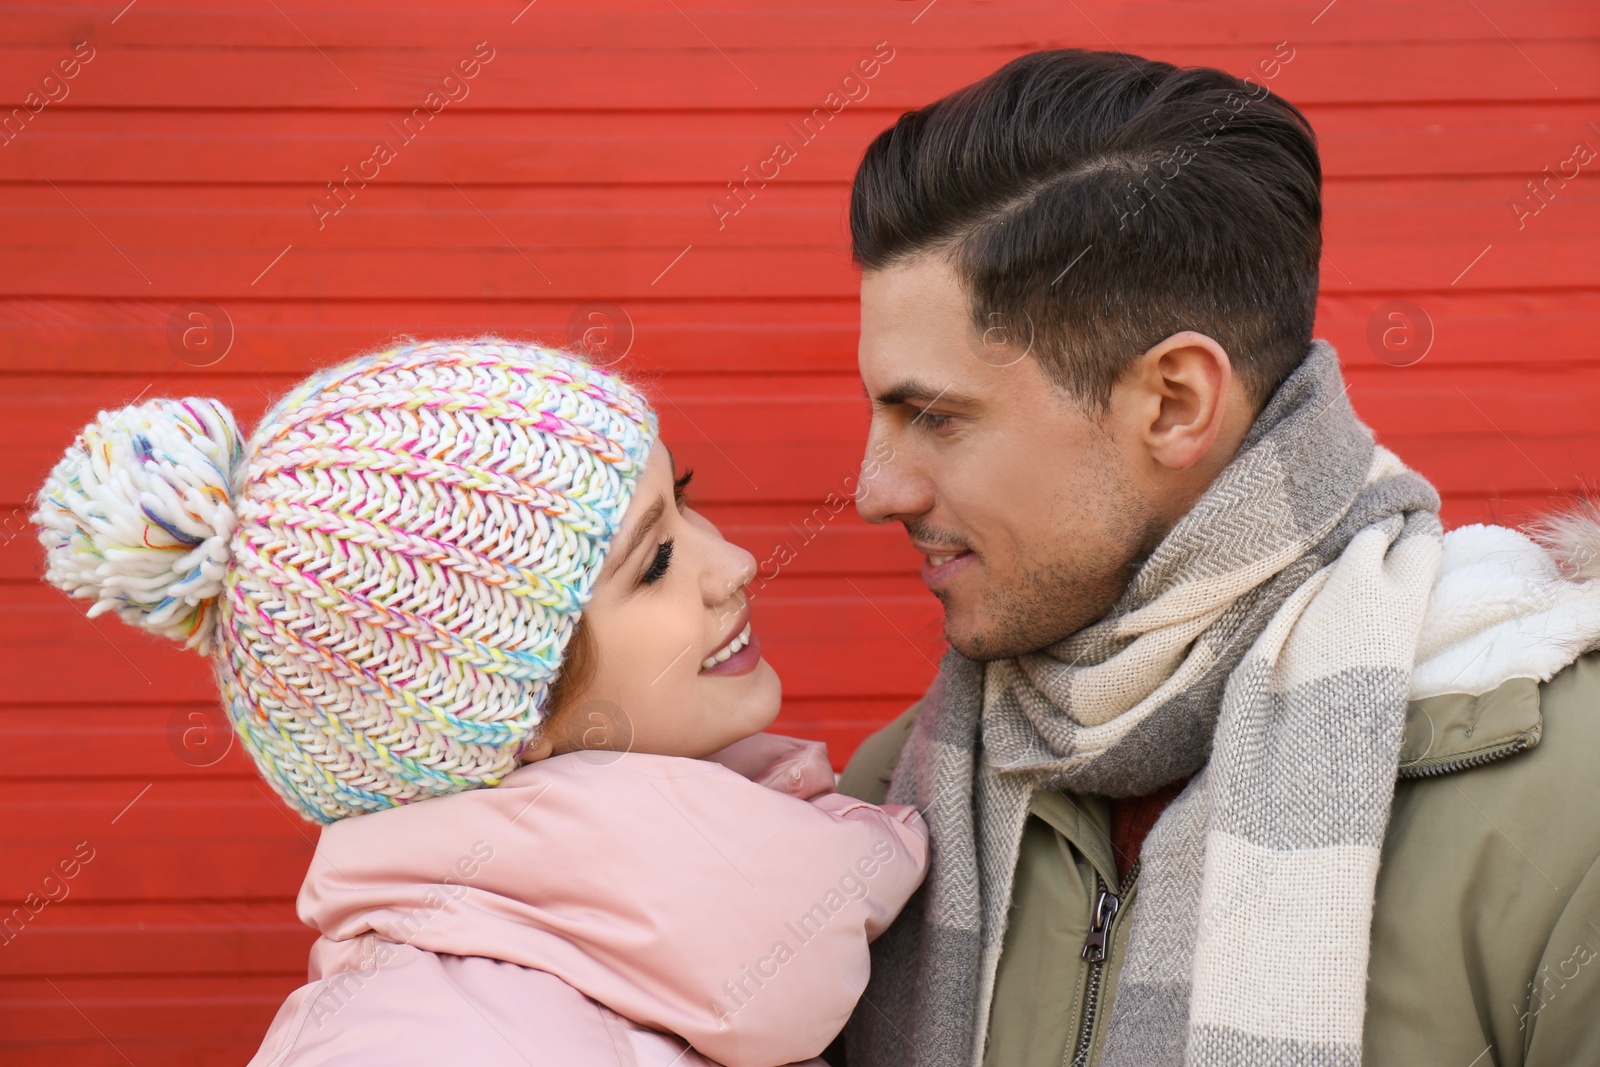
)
(385, 576)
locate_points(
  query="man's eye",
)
(658, 566)
(927, 420)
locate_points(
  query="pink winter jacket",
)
(589, 913)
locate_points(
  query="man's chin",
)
(974, 640)
(983, 637)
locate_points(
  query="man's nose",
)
(891, 488)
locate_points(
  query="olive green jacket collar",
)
(1454, 732)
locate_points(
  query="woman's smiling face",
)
(676, 667)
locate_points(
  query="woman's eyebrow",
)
(646, 524)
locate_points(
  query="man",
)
(1234, 759)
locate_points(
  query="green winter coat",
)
(1486, 926)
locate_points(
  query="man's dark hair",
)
(1100, 202)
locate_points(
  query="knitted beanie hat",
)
(385, 576)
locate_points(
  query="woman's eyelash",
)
(663, 558)
(658, 566)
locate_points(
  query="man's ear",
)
(1181, 394)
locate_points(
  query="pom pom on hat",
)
(138, 514)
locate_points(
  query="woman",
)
(544, 841)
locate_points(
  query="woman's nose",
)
(731, 569)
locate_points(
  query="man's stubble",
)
(1061, 588)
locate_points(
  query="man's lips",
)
(940, 553)
(941, 563)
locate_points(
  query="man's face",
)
(1029, 514)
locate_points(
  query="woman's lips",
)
(745, 654)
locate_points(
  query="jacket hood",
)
(1506, 606)
(704, 899)
(1508, 612)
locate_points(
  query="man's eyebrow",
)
(911, 391)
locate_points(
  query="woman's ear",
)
(541, 747)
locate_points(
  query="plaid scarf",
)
(1266, 644)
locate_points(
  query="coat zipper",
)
(1465, 762)
(1096, 947)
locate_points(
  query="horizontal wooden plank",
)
(91, 1049)
(1546, 258)
(1493, 466)
(1502, 509)
(149, 989)
(730, 75)
(158, 950)
(469, 149)
(289, 338)
(168, 866)
(118, 1030)
(494, 273)
(631, 149)
(388, 216)
(1428, 400)
(182, 1021)
(554, 24)
(118, 809)
(408, 217)
(167, 740)
(151, 1019)
(79, 938)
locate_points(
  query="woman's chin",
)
(759, 698)
(769, 695)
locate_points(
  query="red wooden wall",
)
(179, 164)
